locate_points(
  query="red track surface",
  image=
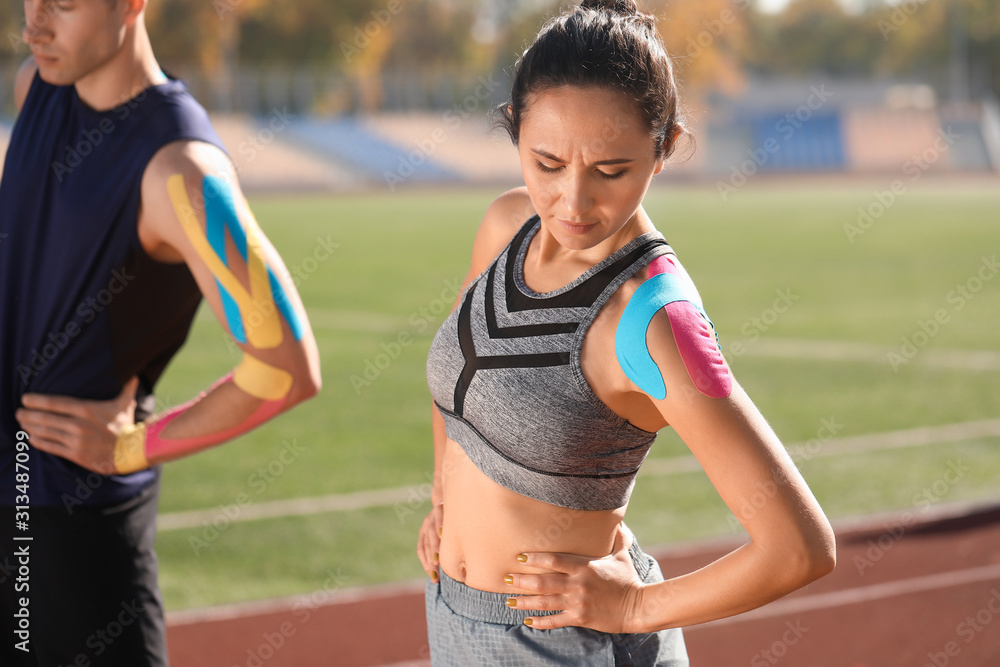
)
(905, 592)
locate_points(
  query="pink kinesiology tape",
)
(157, 445)
(695, 340)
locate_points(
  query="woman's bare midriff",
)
(486, 526)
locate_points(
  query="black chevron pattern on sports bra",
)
(475, 363)
(583, 295)
(580, 296)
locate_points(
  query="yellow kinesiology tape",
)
(130, 449)
(261, 380)
(254, 312)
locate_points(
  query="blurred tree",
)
(914, 42)
(434, 34)
(935, 40)
(957, 39)
(983, 19)
(811, 36)
(516, 22)
(196, 32)
(12, 23)
(706, 39)
(312, 31)
(952, 43)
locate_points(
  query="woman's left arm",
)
(791, 541)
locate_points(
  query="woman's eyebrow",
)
(546, 154)
(550, 156)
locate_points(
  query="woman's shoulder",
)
(504, 217)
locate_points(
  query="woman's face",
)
(587, 161)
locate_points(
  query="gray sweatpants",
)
(472, 628)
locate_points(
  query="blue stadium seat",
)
(350, 142)
(814, 144)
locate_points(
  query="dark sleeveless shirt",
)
(82, 307)
(504, 371)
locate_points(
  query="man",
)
(119, 210)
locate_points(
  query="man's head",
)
(71, 39)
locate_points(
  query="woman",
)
(577, 337)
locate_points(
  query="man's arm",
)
(194, 212)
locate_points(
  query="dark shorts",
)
(469, 628)
(92, 591)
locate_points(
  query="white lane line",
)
(912, 437)
(670, 466)
(675, 465)
(786, 607)
(829, 350)
(322, 598)
(278, 509)
(862, 594)
(332, 319)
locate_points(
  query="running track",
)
(920, 589)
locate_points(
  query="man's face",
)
(71, 38)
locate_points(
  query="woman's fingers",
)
(550, 622)
(596, 593)
(623, 539)
(538, 584)
(429, 541)
(556, 562)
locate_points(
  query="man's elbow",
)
(306, 382)
(305, 386)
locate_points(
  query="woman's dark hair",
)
(604, 43)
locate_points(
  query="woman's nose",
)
(577, 195)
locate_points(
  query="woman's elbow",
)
(822, 561)
(816, 556)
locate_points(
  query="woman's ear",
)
(672, 135)
(133, 10)
(669, 143)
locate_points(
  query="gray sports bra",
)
(504, 371)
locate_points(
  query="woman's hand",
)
(429, 541)
(603, 594)
(81, 431)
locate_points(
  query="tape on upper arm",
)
(252, 316)
(669, 288)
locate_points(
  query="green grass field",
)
(376, 300)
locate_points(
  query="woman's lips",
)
(575, 227)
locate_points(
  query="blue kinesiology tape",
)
(630, 337)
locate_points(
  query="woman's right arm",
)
(429, 539)
(502, 220)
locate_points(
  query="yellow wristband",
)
(130, 449)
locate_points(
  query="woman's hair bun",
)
(623, 7)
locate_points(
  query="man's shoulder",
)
(166, 114)
(191, 158)
(22, 81)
